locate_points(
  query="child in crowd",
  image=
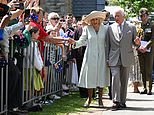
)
(38, 62)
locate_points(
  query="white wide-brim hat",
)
(95, 14)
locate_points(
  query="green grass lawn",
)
(68, 104)
(72, 103)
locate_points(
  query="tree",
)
(113, 2)
(132, 7)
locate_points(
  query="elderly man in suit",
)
(121, 36)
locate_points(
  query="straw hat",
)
(95, 14)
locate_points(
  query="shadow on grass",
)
(67, 104)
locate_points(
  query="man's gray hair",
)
(120, 10)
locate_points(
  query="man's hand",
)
(142, 49)
(137, 41)
(107, 63)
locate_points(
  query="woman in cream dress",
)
(135, 73)
(94, 71)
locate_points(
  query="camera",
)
(4, 9)
(27, 15)
(21, 5)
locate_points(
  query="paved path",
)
(137, 104)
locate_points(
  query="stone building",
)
(76, 7)
(60, 6)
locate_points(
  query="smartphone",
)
(4, 9)
(27, 13)
(27, 16)
(21, 5)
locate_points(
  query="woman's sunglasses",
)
(54, 18)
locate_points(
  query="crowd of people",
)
(99, 54)
(30, 28)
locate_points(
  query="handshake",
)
(69, 40)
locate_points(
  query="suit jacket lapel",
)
(125, 29)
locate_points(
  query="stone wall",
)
(62, 7)
(76, 7)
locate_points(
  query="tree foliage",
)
(113, 2)
(132, 7)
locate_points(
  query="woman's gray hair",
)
(52, 15)
(120, 10)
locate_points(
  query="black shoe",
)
(123, 105)
(149, 93)
(35, 108)
(110, 96)
(136, 91)
(144, 91)
(116, 106)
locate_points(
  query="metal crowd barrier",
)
(3, 87)
(52, 83)
(53, 80)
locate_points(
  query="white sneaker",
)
(65, 87)
(48, 102)
(74, 88)
(65, 94)
(56, 96)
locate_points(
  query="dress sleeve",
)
(83, 38)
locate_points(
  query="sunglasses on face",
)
(62, 20)
(54, 18)
(70, 18)
(143, 15)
